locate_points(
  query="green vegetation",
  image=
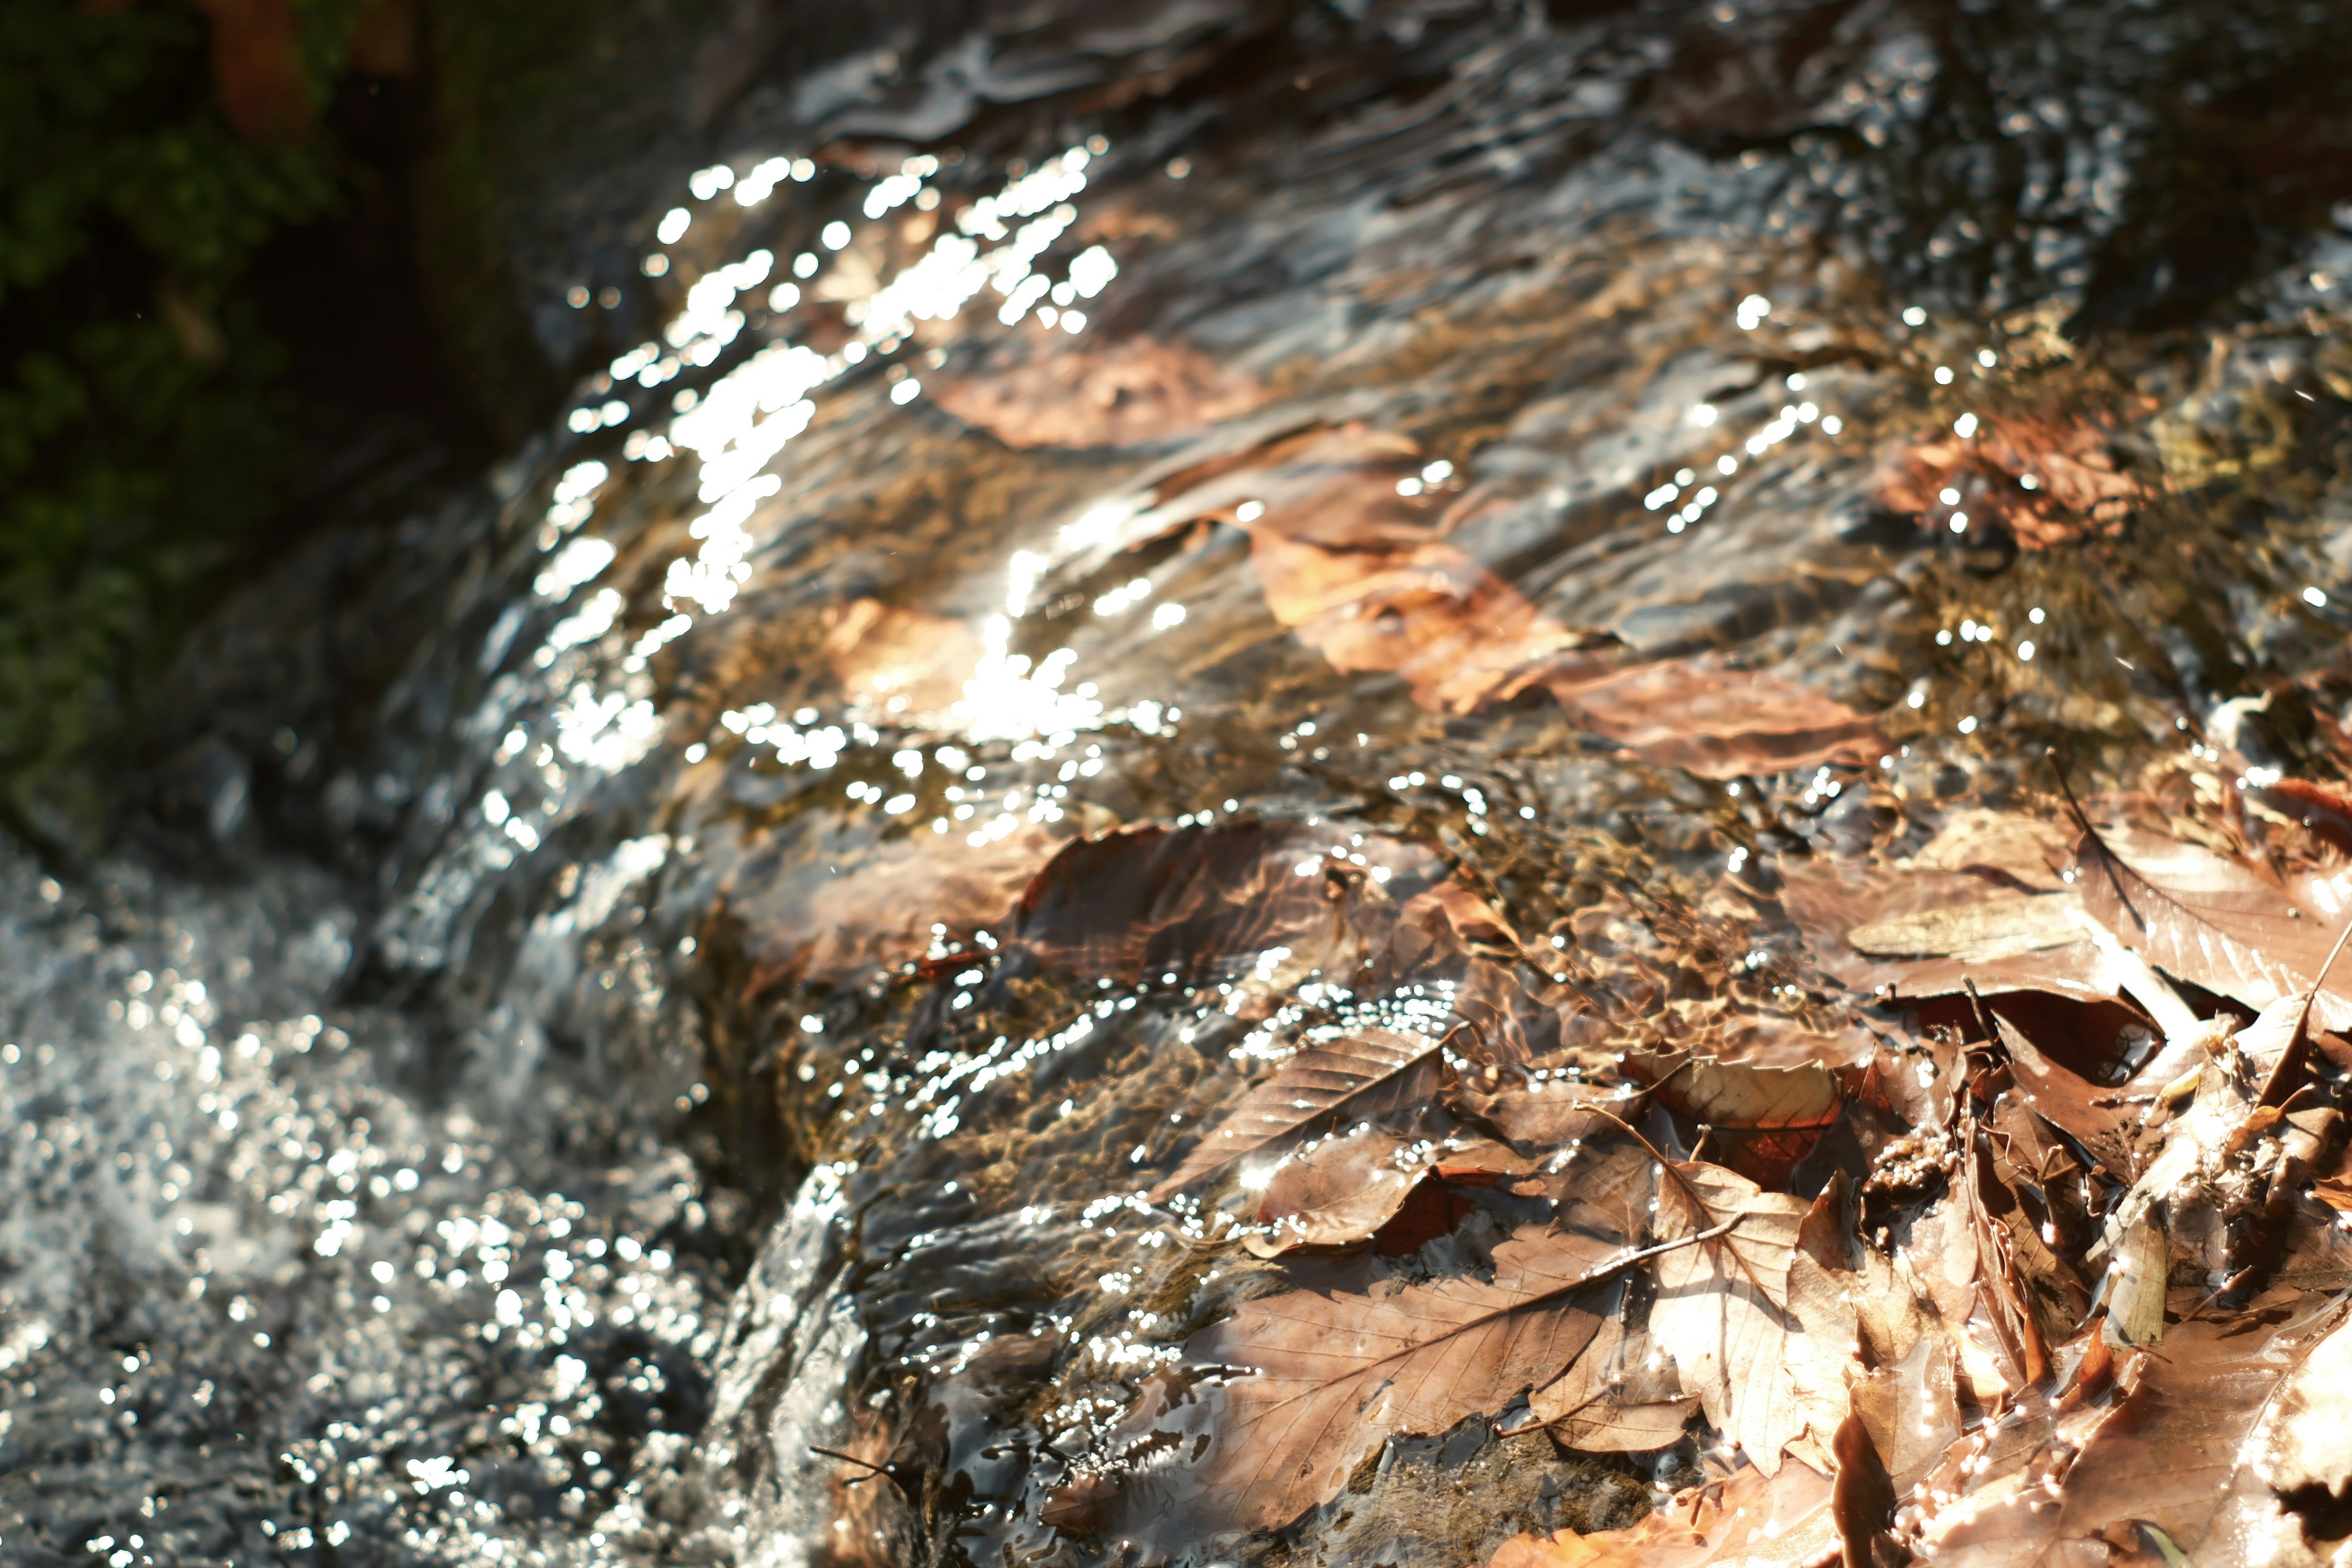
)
(147, 154)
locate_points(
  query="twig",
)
(872, 1469)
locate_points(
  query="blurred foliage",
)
(148, 152)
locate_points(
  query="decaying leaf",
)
(1306, 1382)
(1623, 1396)
(2066, 1296)
(1768, 1521)
(2216, 922)
(1983, 933)
(1763, 1118)
(2049, 477)
(1392, 1188)
(1757, 1328)
(1713, 719)
(1368, 1075)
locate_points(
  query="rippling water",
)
(1448, 502)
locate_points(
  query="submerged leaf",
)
(1367, 1075)
(1313, 1378)
(1715, 720)
(1764, 1522)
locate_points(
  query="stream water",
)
(1450, 501)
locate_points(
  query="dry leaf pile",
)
(2045, 1259)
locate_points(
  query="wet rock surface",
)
(1139, 542)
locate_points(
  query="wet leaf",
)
(1392, 1188)
(1713, 719)
(2215, 922)
(1623, 1396)
(1197, 902)
(1770, 1521)
(2183, 1452)
(1763, 1118)
(1984, 933)
(1321, 1086)
(2075, 484)
(1861, 1498)
(1757, 1328)
(1314, 1378)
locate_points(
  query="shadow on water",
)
(1127, 541)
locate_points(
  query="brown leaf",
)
(1756, 1326)
(1861, 1498)
(1321, 1086)
(906, 659)
(2004, 847)
(1315, 1377)
(1912, 1409)
(2135, 1295)
(1196, 901)
(1393, 1187)
(1914, 918)
(1362, 573)
(1622, 1396)
(1973, 934)
(2310, 1439)
(1768, 1521)
(2076, 484)
(1764, 1119)
(2184, 1452)
(2100, 1119)
(1715, 721)
(2215, 922)
(1091, 392)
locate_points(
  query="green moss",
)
(142, 433)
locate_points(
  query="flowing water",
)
(1451, 502)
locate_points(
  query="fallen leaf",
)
(1861, 1498)
(1763, 1118)
(1623, 1396)
(2182, 1453)
(2215, 922)
(1756, 1326)
(1712, 719)
(1393, 1187)
(1768, 1521)
(2047, 478)
(1912, 1409)
(2308, 1441)
(1305, 1383)
(1063, 392)
(905, 659)
(2005, 847)
(1914, 918)
(1365, 1075)
(1199, 902)
(1984, 933)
